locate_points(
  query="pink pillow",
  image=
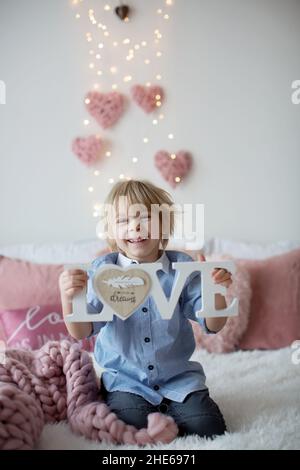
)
(30, 306)
(23, 284)
(227, 339)
(30, 328)
(275, 308)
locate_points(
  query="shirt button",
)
(156, 387)
(147, 340)
(163, 407)
(151, 367)
(145, 309)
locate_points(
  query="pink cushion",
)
(23, 284)
(275, 307)
(32, 327)
(227, 339)
(30, 306)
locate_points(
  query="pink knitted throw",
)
(58, 382)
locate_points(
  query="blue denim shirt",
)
(145, 354)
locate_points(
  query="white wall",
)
(227, 69)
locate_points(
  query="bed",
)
(258, 391)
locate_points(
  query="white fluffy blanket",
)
(257, 391)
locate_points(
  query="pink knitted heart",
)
(106, 108)
(87, 149)
(173, 167)
(147, 97)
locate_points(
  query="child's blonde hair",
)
(146, 193)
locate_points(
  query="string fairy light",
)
(132, 53)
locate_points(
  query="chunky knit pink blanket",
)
(58, 382)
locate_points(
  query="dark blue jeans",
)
(197, 414)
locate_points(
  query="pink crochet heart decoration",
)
(106, 108)
(147, 97)
(173, 166)
(88, 149)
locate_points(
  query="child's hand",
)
(219, 275)
(71, 282)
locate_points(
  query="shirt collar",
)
(124, 261)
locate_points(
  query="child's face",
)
(135, 233)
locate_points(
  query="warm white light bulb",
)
(87, 101)
(126, 41)
(145, 140)
(173, 156)
(106, 7)
(127, 78)
(86, 122)
(159, 54)
(111, 180)
(91, 189)
(171, 136)
(144, 43)
(113, 69)
(108, 154)
(155, 122)
(134, 159)
(96, 173)
(158, 77)
(100, 45)
(177, 179)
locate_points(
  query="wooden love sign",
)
(123, 290)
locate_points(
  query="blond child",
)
(146, 358)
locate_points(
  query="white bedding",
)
(257, 391)
(84, 251)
